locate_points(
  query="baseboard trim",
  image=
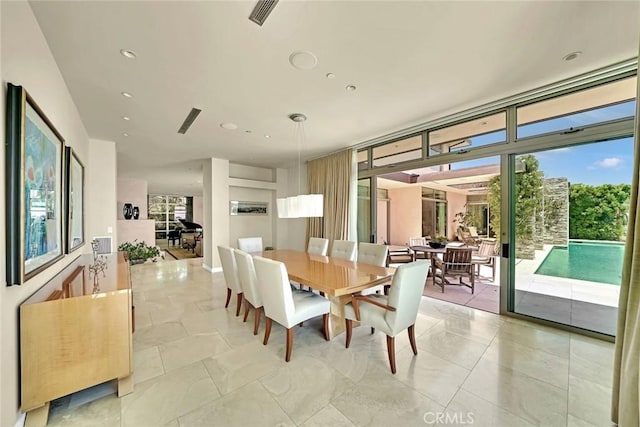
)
(211, 269)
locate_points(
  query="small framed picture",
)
(248, 208)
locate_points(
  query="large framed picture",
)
(248, 208)
(34, 155)
(74, 201)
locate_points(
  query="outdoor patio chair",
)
(456, 262)
(419, 241)
(486, 255)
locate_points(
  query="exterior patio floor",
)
(588, 305)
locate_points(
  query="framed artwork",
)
(34, 155)
(248, 208)
(74, 201)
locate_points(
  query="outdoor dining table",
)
(337, 278)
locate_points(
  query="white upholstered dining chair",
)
(250, 244)
(374, 254)
(344, 249)
(284, 306)
(318, 246)
(230, 271)
(248, 282)
(394, 313)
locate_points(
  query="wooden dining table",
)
(337, 278)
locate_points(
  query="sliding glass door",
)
(569, 219)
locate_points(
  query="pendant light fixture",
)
(302, 205)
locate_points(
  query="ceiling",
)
(410, 61)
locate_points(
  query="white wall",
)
(27, 61)
(102, 191)
(215, 178)
(133, 191)
(250, 172)
(252, 225)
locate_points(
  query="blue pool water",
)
(585, 260)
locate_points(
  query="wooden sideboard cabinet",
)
(74, 335)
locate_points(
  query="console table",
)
(76, 333)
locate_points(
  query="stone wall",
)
(556, 211)
(550, 221)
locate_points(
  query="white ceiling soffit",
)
(410, 61)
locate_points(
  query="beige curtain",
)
(625, 406)
(331, 176)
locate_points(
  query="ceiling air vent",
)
(191, 117)
(262, 11)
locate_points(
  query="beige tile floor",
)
(196, 364)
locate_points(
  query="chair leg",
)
(256, 323)
(238, 304)
(287, 356)
(228, 298)
(325, 326)
(349, 324)
(267, 331)
(391, 349)
(246, 309)
(412, 339)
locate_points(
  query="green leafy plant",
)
(139, 251)
(440, 239)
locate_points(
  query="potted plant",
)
(139, 252)
(438, 242)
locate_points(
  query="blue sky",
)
(609, 162)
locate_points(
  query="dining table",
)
(337, 278)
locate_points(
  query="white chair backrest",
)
(318, 246)
(250, 244)
(370, 253)
(247, 277)
(417, 241)
(405, 295)
(344, 249)
(229, 268)
(274, 287)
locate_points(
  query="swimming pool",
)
(585, 260)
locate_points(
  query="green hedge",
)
(598, 212)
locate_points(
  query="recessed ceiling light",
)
(571, 56)
(127, 94)
(128, 53)
(125, 134)
(350, 88)
(267, 136)
(331, 75)
(229, 126)
(127, 118)
(303, 60)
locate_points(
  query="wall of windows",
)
(492, 142)
(167, 211)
